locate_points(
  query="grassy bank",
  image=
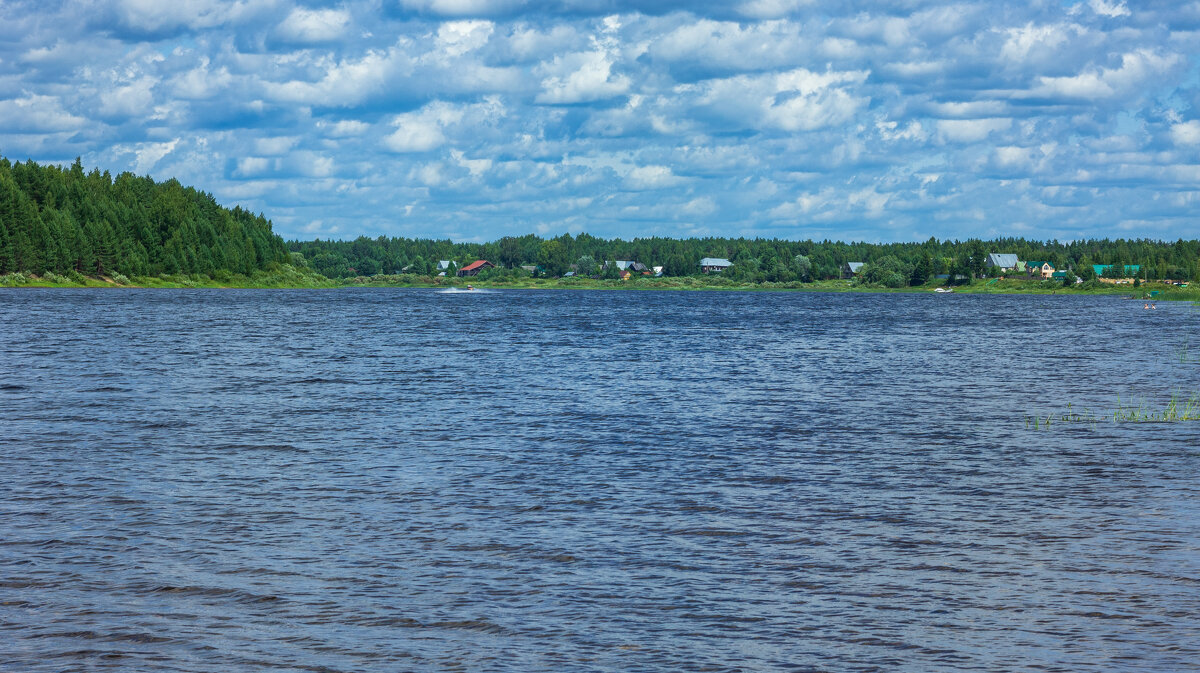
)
(281, 276)
(286, 276)
(1007, 286)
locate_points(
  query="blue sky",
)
(474, 119)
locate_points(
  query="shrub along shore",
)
(290, 277)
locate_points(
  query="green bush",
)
(120, 279)
(13, 279)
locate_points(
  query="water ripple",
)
(382, 480)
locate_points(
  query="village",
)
(1005, 265)
(999, 266)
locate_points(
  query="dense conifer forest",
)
(65, 221)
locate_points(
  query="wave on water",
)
(459, 290)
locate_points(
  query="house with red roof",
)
(475, 267)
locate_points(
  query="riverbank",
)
(288, 277)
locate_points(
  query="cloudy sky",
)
(473, 119)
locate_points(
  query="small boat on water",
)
(944, 290)
(470, 287)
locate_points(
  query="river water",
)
(405, 480)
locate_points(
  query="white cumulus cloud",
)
(345, 83)
(1186, 133)
(426, 129)
(37, 114)
(651, 177)
(581, 78)
(970, 130)
(1110, 9)
(314, 26)
(796, 100)
(1098, 83)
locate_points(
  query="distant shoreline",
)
(686, 283)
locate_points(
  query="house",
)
(711, 264)
(443, 265)
(475, 267)
(1004, 261)
(530, 268)
(851, 269)
(658, 271)
(1042, 269)
(626, 265)
(1131, 270)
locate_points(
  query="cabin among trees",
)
(1040, 269)
(1112, 273)
(1002, 261)
(475, 267)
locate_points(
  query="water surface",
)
(392, 480)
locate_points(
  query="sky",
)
(476, 119)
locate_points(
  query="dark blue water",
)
(391, 480)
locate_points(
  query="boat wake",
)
(459, 290)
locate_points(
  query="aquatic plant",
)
(1069, 415)
(1177, 409)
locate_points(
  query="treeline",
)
(754, 260)
(65, 221)
(62, 220)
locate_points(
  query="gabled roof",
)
(1031, 264)
(475, 265)
(715, 261)
(1002, 260)
(855, 266)
(1129, 268)
(444, 264)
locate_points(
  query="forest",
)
(754, 260)
(63, 221)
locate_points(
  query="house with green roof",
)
(1039, 269)
(1130, 271)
